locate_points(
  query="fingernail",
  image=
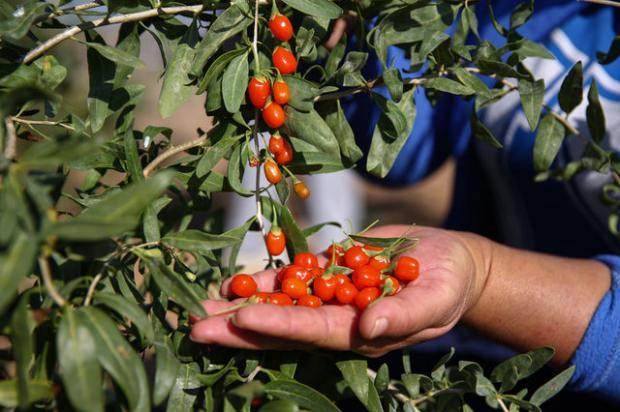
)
(380, 327)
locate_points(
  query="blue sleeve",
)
(597, 358)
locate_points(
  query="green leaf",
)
(197, 241)
(448, 86)
(129, 310)
(394, 120)
(101, 73)
(355, 374)
(116, 55)
(552, 387)
(384, 149)
(215, 153)
(382, 380)
(378, 241)
(77, 359)
(295, 239)
(217, 67)
(612, 53)
(236, 167)
(281, 405)
(21, 18)
(39, 390)
(521, 14)
(15, 265)
(532, 95)
(337, 121)
(167, 366)
(472, 81)
(309, 163)
(317, 8)
(304, 396)
(115, 214)
(176, 287)
(175, 89)
(309, 231)
(571, 91)
(472, 21)
(482, 132)
(548, 142)
(595, 114)
(235, 82)
(118, 358)
(22, 325)
(231, 22)
(185, 389)
(302, 93)
(394, 83)
(319, 135)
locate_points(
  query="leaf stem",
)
(255, 38)
(10, 148)
(92, 288)
(46, 273)
(502, 404)
(603, 2)
(171, 152)
(29, 122)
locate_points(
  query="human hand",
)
(453, 272)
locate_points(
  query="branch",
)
(603, 2)
(92, 288)
(171, 152)
(11, 139)
(46, 273)
(123, 18)
(29, 122)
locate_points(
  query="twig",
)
(171, 152)
(400, 396)
(10, 149)
(123, 18)
(502, 404)
(603, 2)
(91, 289)
(29, 122)
(44, 265)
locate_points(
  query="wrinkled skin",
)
(450, 282)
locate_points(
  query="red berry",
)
(280, 299)
(243, 286)
(356, 257)
(275, 241)
(366, 277)
(301, 190)
(281, 92)
(295, 288)
(297, 272)
(366, 296)
(272, 172)
(324, 287)
(259, 91)
(260, 297)
(273, 115)
(285, 156)
(338, 255)
(276, 144)
(317, 271)
(379, 262)
(341, 279)
(306, 260)
(346, 293)
(309, 301)
(407, 269)
(374, 248)
(390, 283)
(281, 27)
(284, 60)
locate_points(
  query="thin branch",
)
(10, 149)
(502, 404)
(92, 288)
(123, 18)
(29, 122)
(46, 273)
(171, 152)
(603, 2)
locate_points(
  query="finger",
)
(340, 26)
(213, 307)
(424, 304)
(331, 327)
(222, 332)
(266, 282)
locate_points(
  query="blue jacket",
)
(495, 189)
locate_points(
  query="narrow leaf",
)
(532, 94)
(548, 142)
(571, 91)
(317, 8)
(552, 387)
(595, 114)
(235, 82)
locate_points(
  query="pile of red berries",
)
(271, 96)
(359, 274)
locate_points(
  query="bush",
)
(96, 303)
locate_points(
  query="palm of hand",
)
(424, 309)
